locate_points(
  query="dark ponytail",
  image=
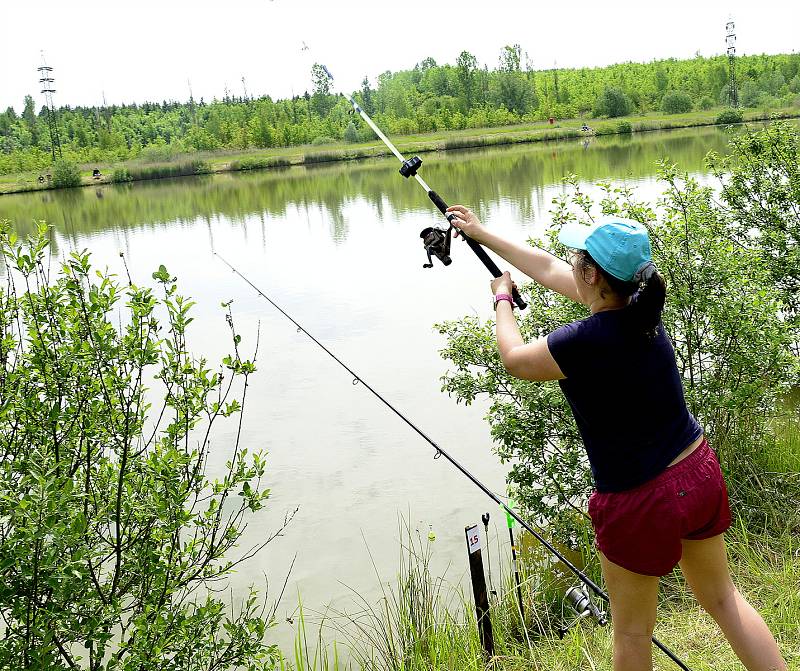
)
(649, 292)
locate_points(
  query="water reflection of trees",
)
(518, 173)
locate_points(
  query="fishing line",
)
(440, 452)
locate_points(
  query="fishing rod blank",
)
(440, 452)
(436, 240)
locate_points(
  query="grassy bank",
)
(227, 161)
(422, 624)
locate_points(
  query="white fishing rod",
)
(435, 240)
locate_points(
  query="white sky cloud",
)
(148, 50)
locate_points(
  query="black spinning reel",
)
(437, 243)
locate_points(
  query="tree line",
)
(428, 97)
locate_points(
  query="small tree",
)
(351, 133)
(111, 533)
(751, 95)
(761, 186)
(676, 102)
(466, 66)
(66, 174)
(613, 102)
(321, 98)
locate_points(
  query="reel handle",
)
(480, 252)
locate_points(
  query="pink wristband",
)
(502, 297)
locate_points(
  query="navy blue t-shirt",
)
(627, 398)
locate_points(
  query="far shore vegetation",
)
(428, 108)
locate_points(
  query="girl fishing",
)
(660, 499)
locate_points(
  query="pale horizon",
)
(150, 52)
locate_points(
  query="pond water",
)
(337, 246)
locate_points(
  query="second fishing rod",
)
(585, 605)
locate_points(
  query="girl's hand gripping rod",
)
(436, 240)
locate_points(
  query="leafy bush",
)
(751, 95)
(761, 186)
(66, 174)
(676, 102)
(112, 535)
(624, 127)
(613, 102)
(605, 129)
(121, 175)
(729, 116)
(705, 103)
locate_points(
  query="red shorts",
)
(641, 529)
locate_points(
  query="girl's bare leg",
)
(705, 566)
(634, 598)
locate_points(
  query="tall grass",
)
(134, 173)
(425, 623)
(259, 163)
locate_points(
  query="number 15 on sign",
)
(473, 539)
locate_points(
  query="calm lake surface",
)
(337, 246)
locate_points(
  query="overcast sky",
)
(147, 50)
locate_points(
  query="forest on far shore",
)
(428, 97)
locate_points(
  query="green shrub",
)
(676, 102)
(605, 129)
(103, 496)
(613, 102)
(66, 174)
(323, 139)
(706, 103)
(624, 127)
(751, 95)
(729, 116)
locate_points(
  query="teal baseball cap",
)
(620, 246)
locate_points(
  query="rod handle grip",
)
(437, 200)
(480, 252)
